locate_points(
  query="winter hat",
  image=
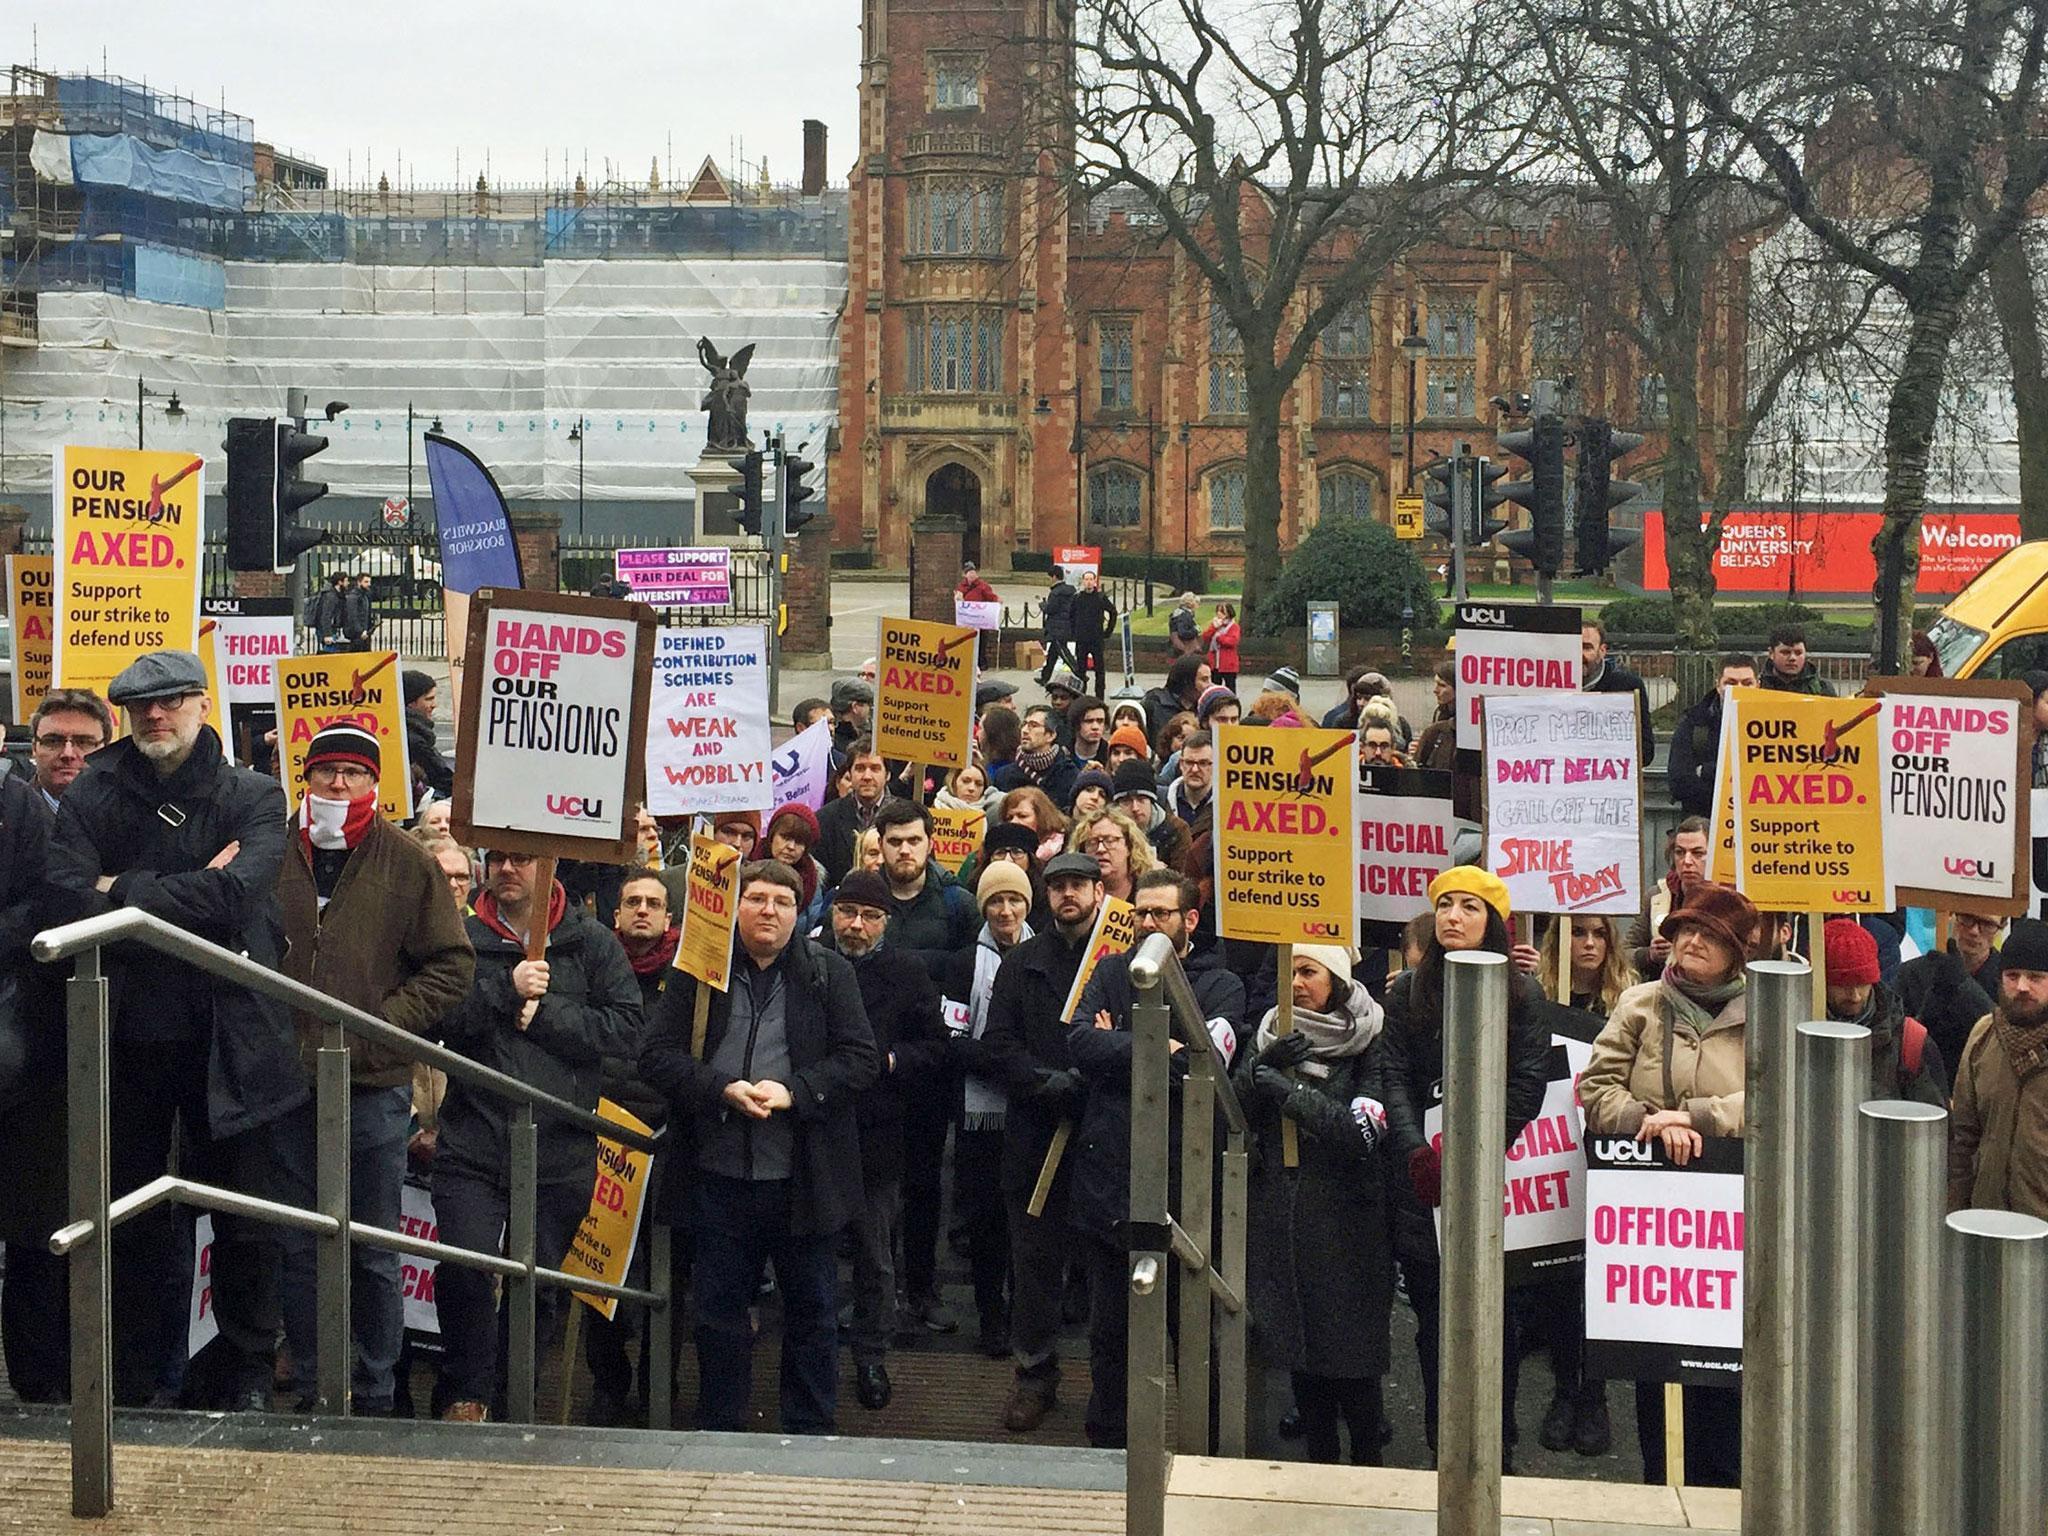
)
(1001, 876)
(1008, 837)
(1131, 736)
(849, 691)
(2025, 947)
(1095, 778)
(1135, 777)
(1063, 681)
(1472, 881)
(341, 743)
(417, 685)
(1726, 914)
(805, 818)
(1333, 958)
(727, 818)
(1123, 708)
(1071, 863)
(862, 888)
(1851, 952)
(1285, 679)
(1212, 696)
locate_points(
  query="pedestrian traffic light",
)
(748, 513)
(1440, 497)
(252, 493)
(1541, 443)
(1599, 493)
(295, 493)
(795, 493)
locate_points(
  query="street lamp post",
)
(173, 411)
(1414, 347)
(1185, 436)
(576, 437)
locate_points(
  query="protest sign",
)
(1116, 930)
(1663, 1262)
(1405, 828)
(677, 578)
(416, 1274)
(970, 615)
(800, 772)
(1285, 826)
(1077, 560)
(1721, 839)
(251, 634)
(1512, 648)
(1956, 826)
(1809, 804)
(31, 611)
(602, 1249)
(552, 752)
(217, 708)
(924, 692)
(710, 908)
(362, 688)
(1564, 801)
(707, 723)
(956, 836)
(200, 1323)
(127, 537)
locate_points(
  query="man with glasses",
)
(550, 1023)
(161, 822)
(902, 1006)
(770, 1097)
(1191, 794)
(365, 921)
(1041, 760)
(68, 727)
(1099, 1041)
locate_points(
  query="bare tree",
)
(2016, 297)
(1294, 150)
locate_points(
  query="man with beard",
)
(1041, 760)
(1998, 1125)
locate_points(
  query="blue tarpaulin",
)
(177, 175)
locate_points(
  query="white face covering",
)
(324, 820)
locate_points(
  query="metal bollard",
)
(1474, 1173)
(1770, 1247)
(1834, 1077)
(1999, 1268)
(661, 1327)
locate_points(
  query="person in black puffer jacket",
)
(1471, 909)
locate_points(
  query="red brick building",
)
(1052, 374)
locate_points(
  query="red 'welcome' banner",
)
(1829, 552)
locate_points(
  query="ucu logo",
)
(1975, 869)
(1852, 898)
(1618, 1151)
(1323, 930)
(576, 805)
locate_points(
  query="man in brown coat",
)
(368, 920)
(1998, 1119)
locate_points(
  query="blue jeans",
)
(379, 1119)
(739, 1225)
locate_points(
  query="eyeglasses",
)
(57, 741)
(780, 901)
(169, 703)
(346, 773)
(869, 915)
(1103, 843)
(643, 903)
(1157, 914)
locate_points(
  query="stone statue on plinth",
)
(726, 396)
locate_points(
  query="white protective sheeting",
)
(49, 156)
(507, 357)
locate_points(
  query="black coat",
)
(839, 829)
(1057, 780)
(1094, 618)
(328, 614)
(832, 1058)
(423, 755)
(902, 1008)
(1940, 992)
(32, 1143)
(591, 1012)
(1412, 1066)
(156, 837)
(1026, 1043)
(1695, 751)
(1059, 611)
(1099, 1200)
(1615, 679)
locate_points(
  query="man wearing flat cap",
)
(161, 822)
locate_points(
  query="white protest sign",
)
(201, 1325)
(1564, 801)
(1954, 767)
(707, 722)
(1510, 648)
(1405, 831)
(971, 615)
(800, 771)
(254, 632)
(416, 1274)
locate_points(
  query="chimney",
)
(814, 157)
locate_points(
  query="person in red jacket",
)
(1221, 637)
(973, 589)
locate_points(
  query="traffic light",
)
(1440, 497)
(795, 493)
(252, 493)
(295, 494)
(1484, 525)
(1462, 485)
(1541, 443)
(748, 513)
(1599, 493)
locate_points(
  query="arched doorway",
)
(954, 490)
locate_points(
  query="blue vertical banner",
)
(470, 519)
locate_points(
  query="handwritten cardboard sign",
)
(1564, 800)
(707, 726)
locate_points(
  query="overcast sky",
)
(523, 81)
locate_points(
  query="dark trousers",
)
(1324, 1399)
(1057, 652)
(740, 1225)
(926, 1122)
(1425, 1295)
(1039, 1247)
(874, 1269)
(472, 1212)
(1713, 1434)
(1108, 1268)
(978, 1207)
(1556, 1319)
(1090, 655)
(35, 1322)
(153, 1090)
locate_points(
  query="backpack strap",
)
(1912, 1047)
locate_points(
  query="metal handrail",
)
(1150, 968)
(132, 925)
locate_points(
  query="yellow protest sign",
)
(1116, 930)
(924, 692)
(354, 687)
(602, 1249)
(127, 539)
(1809, 805)
(1721, 842)
(710, 907)
(956, 836)
(1285, 818)
(31, 610)
(209, 658)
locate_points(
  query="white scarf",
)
(1345, 1033)
(985, 1102)
(323, 821)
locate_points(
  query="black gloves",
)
(1289, 1050)
(1062, 1091)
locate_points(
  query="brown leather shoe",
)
(465, 1412)
(1031, 1399)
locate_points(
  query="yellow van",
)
(1997, 626)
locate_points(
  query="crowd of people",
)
(893, 1061)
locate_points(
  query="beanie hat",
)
(1285, 679)
(999, 877)
(1333, 958)
(805, 818)
(1131, 736)
(340, 743)
(1008, 837)
(727, 818)
(1135, 777)
(1123, 707)
(417, 684)
(862, 888)
(2025, 947)
(1851, 952)
(1472, 881)
(1212, 696)
(1095, 778)
(1726, 914)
